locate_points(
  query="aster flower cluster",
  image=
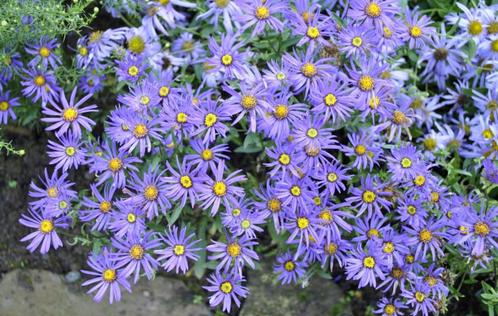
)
(349, 168)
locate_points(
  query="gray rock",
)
(267, 297)
(39, 292)
(72, 276)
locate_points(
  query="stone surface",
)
(267, 297)
(39, 292)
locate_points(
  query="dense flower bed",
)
(357, 138)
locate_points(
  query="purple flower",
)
(101, 44)
(373, 13)
(411, 211)
(389, 307)
(128, 220)
(44, 234)
(54, 187)
(70, 115)
(331, 178)
(356, 41)
(179, 249)
(418, 30)
(311, 27)
(112, 165)
(221, 190)
(150, 192)
(130, 68)
(333, 100)
(270, 204)
(143, 129)
(40, 84)
(285, 162)
(306, 72)
(226, 287)
(6, 107)
(491, 172)
(236, 252)
(482, 230)
(427, 237)
(105, 274)
(418, 297)
(225, 8)
(208, 119)
(141, 98)
(289, 269)
(227, 58)
(100, 210)
(261, 13)
(184, 184)
(404, 163)
(132, 253)
(365, 266)
(206, 156)
(43, 53)
(67, 153)
(369, 197)
(334, 249)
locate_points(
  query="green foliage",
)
(490, 298)
(7, 146)
(51, 18)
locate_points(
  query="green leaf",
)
(172, 217)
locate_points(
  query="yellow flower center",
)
(373, 10)
(145, 100)
(415, 31)
(83, 51)
(137, 252)
(131, 218)
(308, 70)
(431, 281)
(366, 83)
(281, 111)
(317, 200)
(140, 131)
(133, 71)
(302, 222)
(435, 197)
(374, 102)
(475, 27)
(312, 32)
(356, 41)
(372, 232)
(220, 188)
(109, 275)
(331, 248)
(105, 206)
(295, 190)
(360, 149)
(115, 164)
(419, 180)
(425, 236)
(493, 28)
(274, 205)
(280, 76)
(387, 32)
(369, 262)
(248, 102)
(46, 226)
(481, 229)
(369, 196)
(52, 192)
(210, 119)
(389, 309)
(179, 250)
(326, 216)
(151, 192)
(330, 99)
(463, 230)
(188, 46)
(221, 3)
(39, 80)
(262, 12)
(388, 247)
(284, 159)
(411, 209)
(236, 212)
(94, 36)
(44, 52)
(70, 114)
(181, 117)
(397, 273)
(163, 91)
(186, 182)
(430, 144)
(136, 44)
(332, 177)
(245, 224)
(227, 59)
(207, 154)
(487, 134)
(406, 162)
(399, 117)
(419, 296)
(289, 266)
(70, 151)
(226, 287)
(4, 106)
(234, 249)
(312, 133)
